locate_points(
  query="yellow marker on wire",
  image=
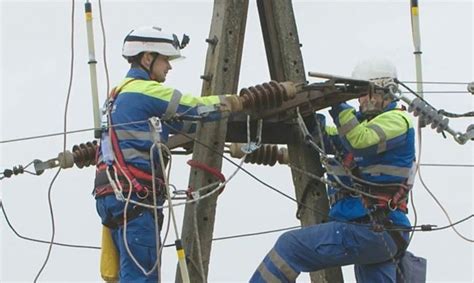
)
(92, 68)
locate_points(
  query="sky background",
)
(35, 63)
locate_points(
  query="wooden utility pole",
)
(286, 64)
(221, 76)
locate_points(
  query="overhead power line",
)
(236, 236)
(440, 91)
(437, 83)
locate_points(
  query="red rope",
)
(211, 170)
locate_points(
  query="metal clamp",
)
(251, 146)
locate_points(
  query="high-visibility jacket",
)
(141, 98)
(383, 150)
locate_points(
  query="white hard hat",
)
(151, 39)
(374, 70)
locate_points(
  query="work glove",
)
(231, 103)
(337, 109)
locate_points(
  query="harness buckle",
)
(143, 194)
(389, 205)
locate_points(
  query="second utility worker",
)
(375, 150)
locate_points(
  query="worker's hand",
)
(320, 119)
(336, 109)
(231, 103)
(318, 126)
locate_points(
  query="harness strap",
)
(401, 243)
(129, 171)
(391, 198)
(211, 170)
(117, 221)
(136, 211)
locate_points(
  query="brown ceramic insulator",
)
(270, 88)
(84, 154)
(268, 155)
(267, 95)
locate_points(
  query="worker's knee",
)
(284, 238)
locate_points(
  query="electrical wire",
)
(441, 91)
(451, 225)
(50, 204)
(324, 214)
(436, 83)
(10, 225)
(104, 47)
(443, 209)
(415, 214)
(443, 112)
(420, 136)
(8, 173)
(69, 132)
(406, 229)
(41, 241)
(446, 165)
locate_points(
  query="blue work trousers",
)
(330, 245)
(141, 239)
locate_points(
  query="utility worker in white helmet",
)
(138, 97)
(374, 152)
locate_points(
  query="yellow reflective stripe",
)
(382, 146)
(279, 262)
(192, 101)
(131, 153)
(123, 85)
(133, 135)
(332, 131)
(392, 123)
(348, 126)
(158, 90)
(387, 170)
(414, 11)
(267, 275)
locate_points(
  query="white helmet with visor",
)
(152, 39)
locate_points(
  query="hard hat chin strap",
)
(150, 69)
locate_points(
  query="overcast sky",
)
(35, 56)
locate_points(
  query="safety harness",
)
(114, 162)
(385, 199)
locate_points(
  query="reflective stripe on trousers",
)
(329, 245)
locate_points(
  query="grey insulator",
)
(66, 159)
(470, 87)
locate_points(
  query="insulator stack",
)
(267, 154)
(84, 154)
(267, 95)
(429, 114)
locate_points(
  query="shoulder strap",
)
(114, 140)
